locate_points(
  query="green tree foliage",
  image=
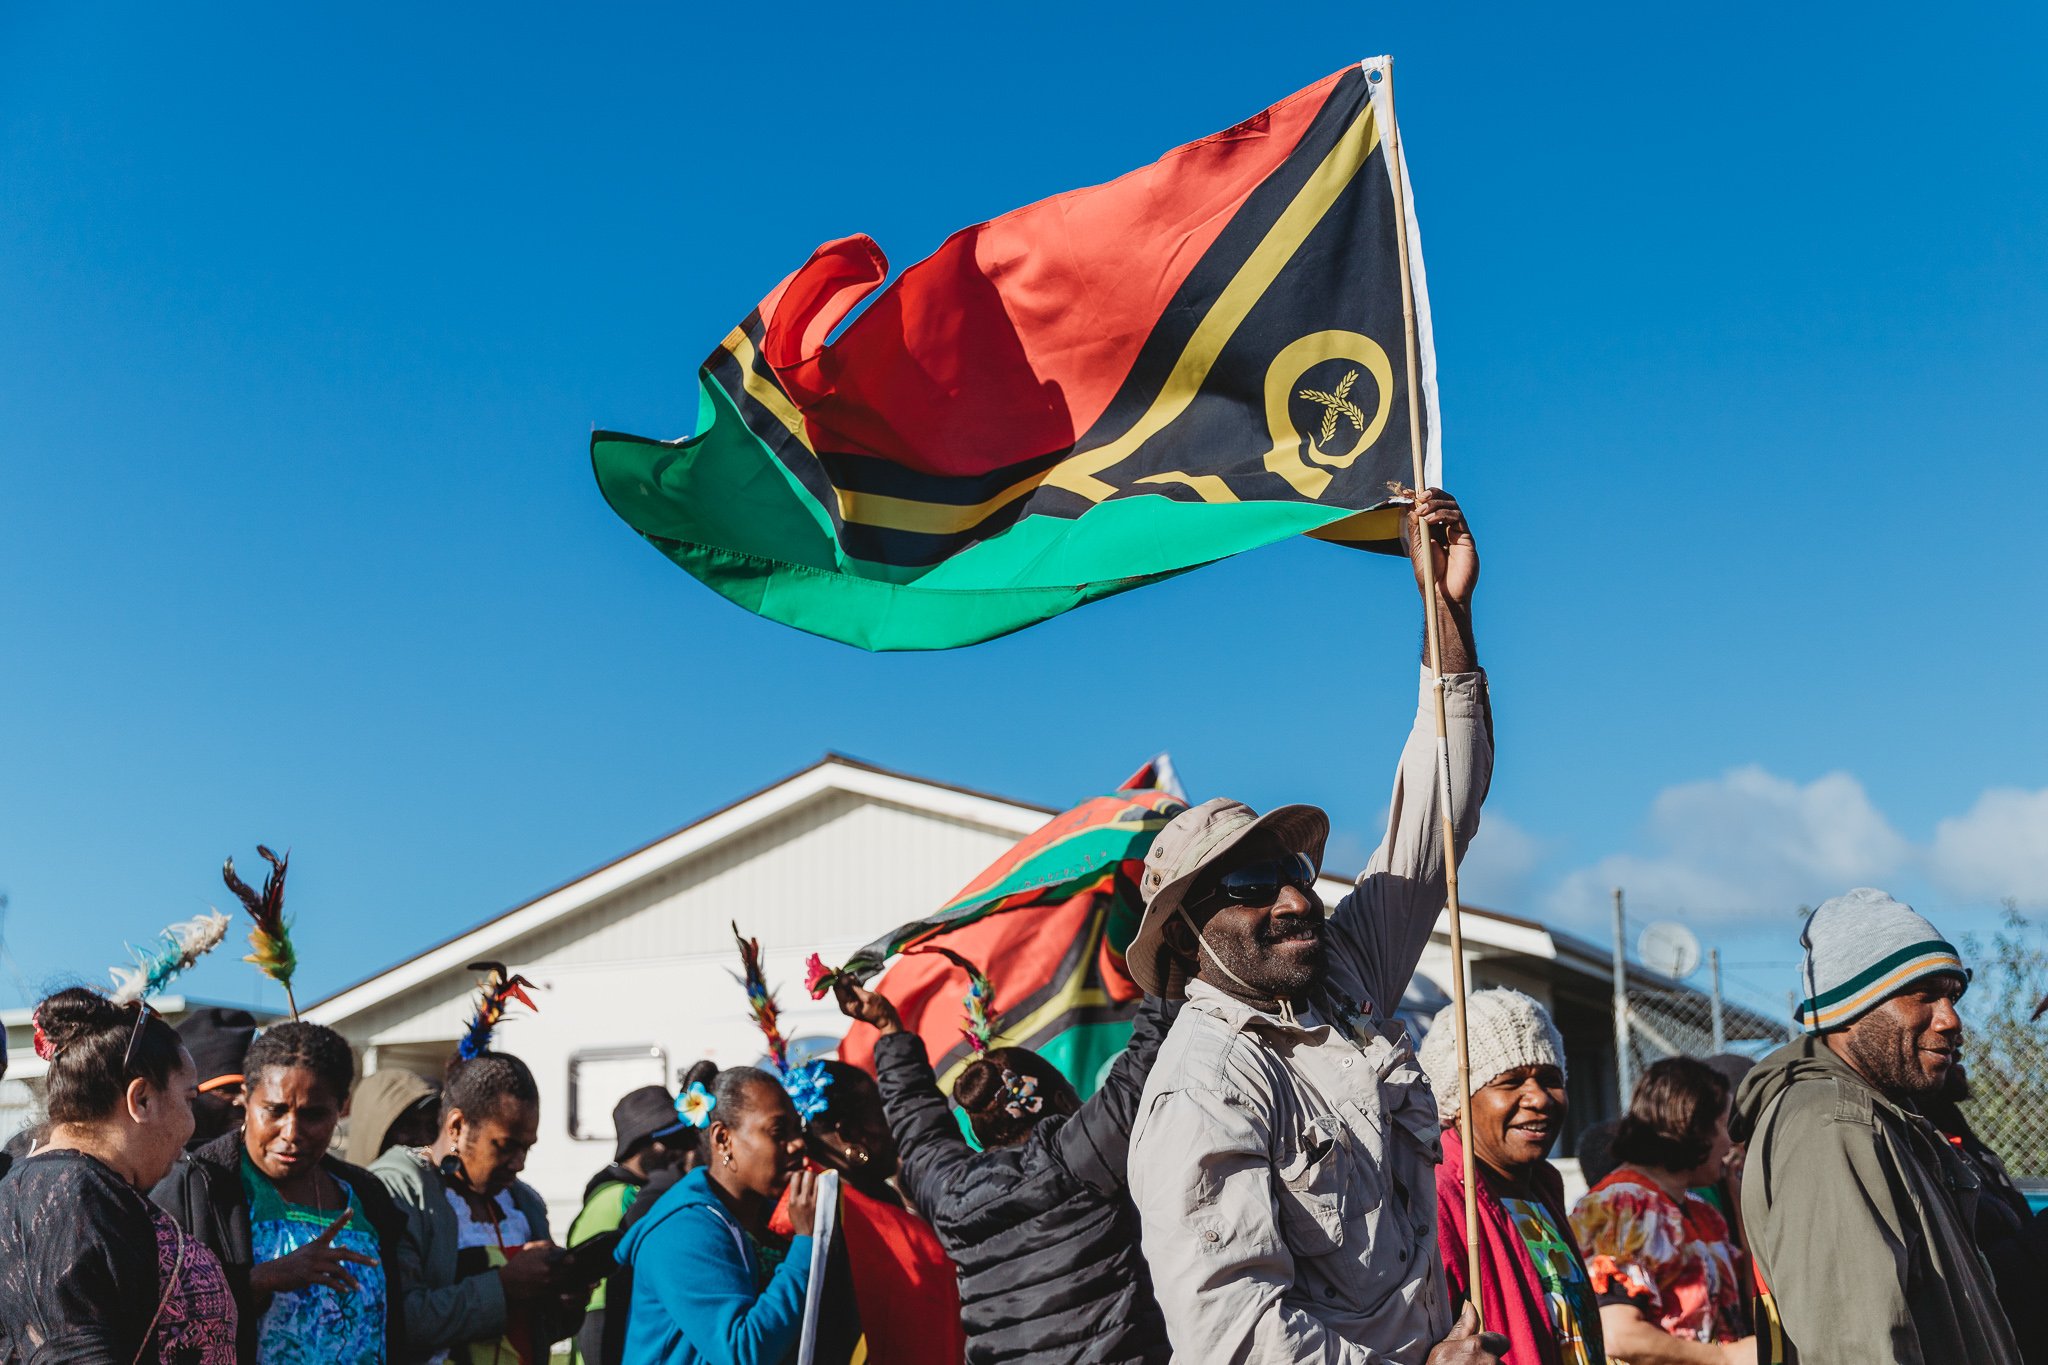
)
(2005, 1050)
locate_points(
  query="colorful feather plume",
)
(497, 990)
(761, 1000)
(806, 1084)
(272, 937)
(978, 1005)
(178, 947)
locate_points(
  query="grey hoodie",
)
(442, 1310)
(1859, 1215)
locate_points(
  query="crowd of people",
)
(1272, 1171)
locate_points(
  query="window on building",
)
(599, 1078)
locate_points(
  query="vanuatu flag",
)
(1048, 923)
(1088, 394)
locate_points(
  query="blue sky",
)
(306, 314)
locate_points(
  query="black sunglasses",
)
(134, 1037)
(1259, 883)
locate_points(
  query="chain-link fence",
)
(2005, 1049)
(1677, 1022)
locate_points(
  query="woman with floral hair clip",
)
(1039, 1221)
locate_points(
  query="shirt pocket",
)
(1313, 1189)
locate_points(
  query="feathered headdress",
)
(272, 936)
(806, 1084)
(497, 989)
(178, 947)
(982, 1023)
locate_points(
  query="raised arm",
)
(1386, 921)
(929, 1143)
(1095, 1144)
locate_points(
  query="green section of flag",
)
(1085, 1052)
(724, 508)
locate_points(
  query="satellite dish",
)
(1669, 948)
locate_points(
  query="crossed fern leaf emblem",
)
(1336, 405)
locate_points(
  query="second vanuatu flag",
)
(1091, 393)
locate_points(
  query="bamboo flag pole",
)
(1398, 168)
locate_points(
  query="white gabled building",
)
(634, 962)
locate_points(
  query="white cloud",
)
(1998, 848)
(1744, 845)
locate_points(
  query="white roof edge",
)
(162, 1004)
(832, 774)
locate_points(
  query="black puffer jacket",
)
(204, 1194)
(1043, 1233)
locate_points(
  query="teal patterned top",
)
(316, 1326)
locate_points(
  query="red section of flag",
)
(1021, 953)
(906, 1288)
(1010, 340)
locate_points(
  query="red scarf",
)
(1511, 1296)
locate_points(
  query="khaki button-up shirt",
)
(1283, 1164)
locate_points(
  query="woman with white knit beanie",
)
(1534, 1288)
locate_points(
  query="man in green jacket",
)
(1859, 1214)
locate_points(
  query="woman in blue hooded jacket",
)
(711, 1284)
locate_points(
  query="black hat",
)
(218, 1040)
(646, 1113)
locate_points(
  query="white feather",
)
(183, 944)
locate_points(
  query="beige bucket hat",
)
(1196, 839)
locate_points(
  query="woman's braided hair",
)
(483, 1085)
(315, 1047)
(1008, 1091)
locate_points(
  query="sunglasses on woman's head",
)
(134, 1036)
(1259, 883)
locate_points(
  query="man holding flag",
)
(1281, 1159)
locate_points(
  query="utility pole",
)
(1625, 1081)
(1792, 1013)
(1720, 1026)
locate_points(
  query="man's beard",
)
(1891, 1062)
(1280, 976)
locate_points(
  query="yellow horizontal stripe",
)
(1209, 486)
(931, 518)
(1919, 966)
(1382, 523)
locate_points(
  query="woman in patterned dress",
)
(1671, 1278)
(90, 1269)
(307, 1240)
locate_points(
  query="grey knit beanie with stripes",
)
(1862, 948)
